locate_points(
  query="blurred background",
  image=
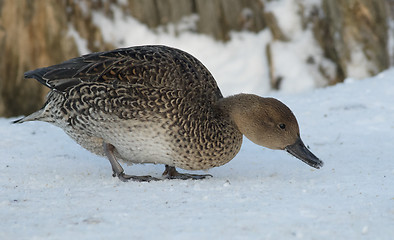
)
(255, 46)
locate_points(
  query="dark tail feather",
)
(18, 121)
(60, 76)
(32, 117)
(38, 74)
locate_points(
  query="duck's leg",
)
(118, 170)
(172, 173)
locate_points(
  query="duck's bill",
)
(299, 151)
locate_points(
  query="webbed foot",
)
(125, 178)
(172, 173)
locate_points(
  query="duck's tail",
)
(36, 116)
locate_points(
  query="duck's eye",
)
(282, 126)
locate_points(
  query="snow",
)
(53, 189)
(287, 15)
(81, 43)
(358, 58)
(290, 61)
(300, 61)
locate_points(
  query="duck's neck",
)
(241, 111)
(233, 107)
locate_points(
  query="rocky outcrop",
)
(216, 17)
(32, 34)
(36, 34)
(354, 33)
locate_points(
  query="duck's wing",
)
(151, 66)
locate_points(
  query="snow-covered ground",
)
(51, 188)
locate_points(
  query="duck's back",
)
(151, 66)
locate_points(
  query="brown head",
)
(269, 123)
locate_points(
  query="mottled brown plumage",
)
(156, 104)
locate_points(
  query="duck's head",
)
(269, 123)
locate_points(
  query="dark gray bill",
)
(299, 151)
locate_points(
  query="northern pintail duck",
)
(156, 104)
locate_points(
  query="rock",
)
(354, 33)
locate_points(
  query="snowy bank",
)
(53, 189)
